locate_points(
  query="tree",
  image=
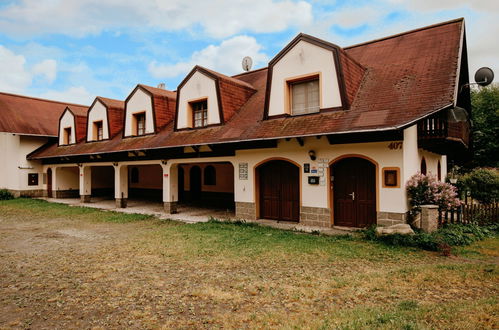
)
(485, 131)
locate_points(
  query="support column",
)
(170, 187)
(85, 183)
(121, 185)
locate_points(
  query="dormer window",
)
(199, 113)
(305, 96)
(67, 135)
(139, 123)
(98, 133)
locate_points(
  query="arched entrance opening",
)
(353, 181)
(279, 190)
(195, 183)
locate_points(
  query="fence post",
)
(429, 218)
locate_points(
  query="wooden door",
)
(279, 191)
(195, 183)
(354, 192)
(49, 183)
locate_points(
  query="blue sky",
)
(75, 50)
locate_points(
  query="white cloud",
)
(78, 95)
(16, 76)
(217, 18)
(47, 69)
(225, 58)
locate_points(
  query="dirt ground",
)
(66, 272)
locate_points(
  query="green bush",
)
(483, 185)
(450, 235)
(5, 195)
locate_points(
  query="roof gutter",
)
(384, 129)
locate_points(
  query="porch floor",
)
(189, 214)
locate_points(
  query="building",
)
(26, 124)
(322, 136)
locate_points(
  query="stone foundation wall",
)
(315, 216)
(66, 193)
(121, 203)
(27, 193)
(170, 207)
(85, 198)
(245, 211)
(391, 218)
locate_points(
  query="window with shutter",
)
(305, 97)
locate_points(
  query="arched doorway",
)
(354, 192)
(49, 183)
(279, 190)
(195, 183)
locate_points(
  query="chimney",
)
(162, 86)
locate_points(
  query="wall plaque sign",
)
(243, 171)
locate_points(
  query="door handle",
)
(353, 195)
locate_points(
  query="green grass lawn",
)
(219, 274)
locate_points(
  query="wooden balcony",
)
(437, 134)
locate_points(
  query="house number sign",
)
(243, 171)
(395, 145)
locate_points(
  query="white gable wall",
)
(97, 113)
(303, 59)
(140, 101)
(199, 86)
(67, 120)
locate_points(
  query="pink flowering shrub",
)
(426, 189)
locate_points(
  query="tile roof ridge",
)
(45, 100)
(456, 20)
(111, 102)
(249, 72)
(153, 89)
(228, 78)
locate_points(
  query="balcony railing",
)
(438, 127)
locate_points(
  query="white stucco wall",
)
(197, 87)
(140, 101)
(390, 199)
(303, 59)
(67, 120)
(97, 113)
(14, 168)
(66, 178)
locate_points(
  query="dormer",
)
(71, 126)
(148, 110)
(207, 98)
(310, 76)
(104, 119)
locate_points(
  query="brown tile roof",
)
(407, 77)
(33, 116)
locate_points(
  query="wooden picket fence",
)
(469, 213)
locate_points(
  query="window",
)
(210, 176)
(134, 175)
(98, 131)
(66, 139)
(305, 97)
(139, 127)
(200, 113)
(391, 177)
(32, 179)
(423, 166)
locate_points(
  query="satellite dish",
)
(484, 76)
(247, 63)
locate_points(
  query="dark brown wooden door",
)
(354, 192)
(49, 183)
(279, 191)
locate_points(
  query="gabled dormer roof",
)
(79, 121)
(349, 71)
(114, 114)
(163, 104)
(232, 93)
